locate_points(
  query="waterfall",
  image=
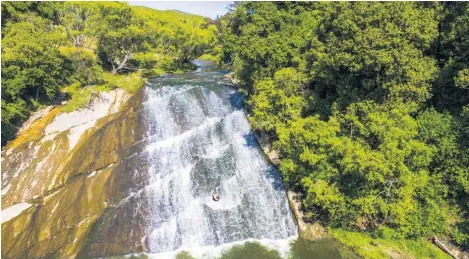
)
(199, 139)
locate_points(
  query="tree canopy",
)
(367, 104)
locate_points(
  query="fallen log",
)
(443, 247)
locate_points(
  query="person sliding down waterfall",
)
(215, 195)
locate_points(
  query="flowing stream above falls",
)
(198, 140)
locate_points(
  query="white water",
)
(282, 246)
(197, 141)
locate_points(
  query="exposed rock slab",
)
(35, 167)
(77, 122)
(308, 231)
(72, 189)
(266, 145)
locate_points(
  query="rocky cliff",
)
(67, 181)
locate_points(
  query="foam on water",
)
(197, 142)
(282, 246)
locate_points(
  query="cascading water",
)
(199, 139)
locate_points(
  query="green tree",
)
(278, 101)
(121, 35)
(16, 11)
(31, 61)
(372, 51)
(262, 37)
(188, 43)
(78, 20)
(451, 91)
(32, 67)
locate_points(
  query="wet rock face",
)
(73, 193)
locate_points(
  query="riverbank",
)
(361, 243)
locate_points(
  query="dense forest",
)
(56, 51)
(368, 105)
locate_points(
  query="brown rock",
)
(78, 195)
(308, 231)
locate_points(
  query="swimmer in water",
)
(216, 195)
